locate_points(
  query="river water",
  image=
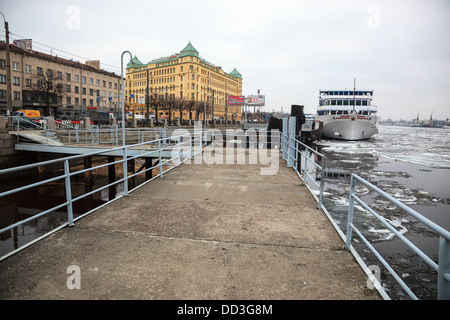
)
(413, 165)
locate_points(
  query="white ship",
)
(347, 115)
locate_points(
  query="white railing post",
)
(125, 172)
(444, 269)
(160, 159)
(68, 192)
(351, 207)
(322, 183)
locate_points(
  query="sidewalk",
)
(201, 232)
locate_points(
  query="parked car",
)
(27, 118)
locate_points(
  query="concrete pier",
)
(201, 232)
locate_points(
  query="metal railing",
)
(171, 151)
(442, 268)
(307, 162)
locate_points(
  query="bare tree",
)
(190, 105)
(180, 106)
(170, 104)
(52, 86)
(157, 103)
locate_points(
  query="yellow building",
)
(181, 84)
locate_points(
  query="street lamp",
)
(8, 70)
(122, 95)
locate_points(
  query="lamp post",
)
(8, 70)
(122, 96)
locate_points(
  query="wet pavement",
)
(202, 232)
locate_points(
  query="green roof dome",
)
(135, 63)
(235, 73)
(189, 50)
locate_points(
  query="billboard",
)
(255, 100)
(24, 44)
(236, 100)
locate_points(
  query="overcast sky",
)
(288, 49)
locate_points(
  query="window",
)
(16, 81)
(2, 78)
(27, 68)
(76, 89)
(104, 83)
(68, 88)
(91, 81)
(2, 64)
(97, 82)
(68, 77)
(28, 82)
(39, 71)
(58, 74)
(77, 101)
(68, 100)
(2, 93)
(76, 78)
(16, 95)
(15, 66)
(83, 79)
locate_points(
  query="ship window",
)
(345, 102)
(364, 103)
(339, 102)
(358, 102)
(333, 102)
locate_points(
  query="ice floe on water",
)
(413, 166)
(385, 161)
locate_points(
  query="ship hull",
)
(349, 127)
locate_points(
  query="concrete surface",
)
(201, 232)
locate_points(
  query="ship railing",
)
(442, 268)
(170, 152)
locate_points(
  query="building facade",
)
(181, 86)
(62, 88)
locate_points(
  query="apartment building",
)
(178, 86)
(56, 86)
